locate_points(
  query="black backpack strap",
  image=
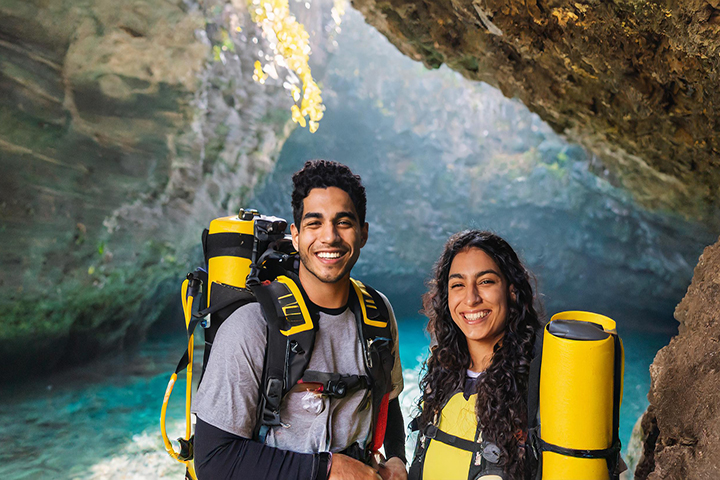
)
(291, 330)
(533, 449)
(373, 320)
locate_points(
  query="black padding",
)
(577, 330)
(228, 245)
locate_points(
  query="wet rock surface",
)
(123, 126)
(682, 423)
(634, 81)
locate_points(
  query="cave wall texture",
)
(682, 425)
(636, 82)
(124, 126)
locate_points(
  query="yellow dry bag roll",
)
(579, 395)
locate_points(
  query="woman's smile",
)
(478, 297)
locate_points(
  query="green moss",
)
(89, 315)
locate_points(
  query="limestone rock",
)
(635, 82)
(683, 420)
(124, 128)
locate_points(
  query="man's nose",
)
(329, 234)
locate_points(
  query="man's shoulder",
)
(246, 319)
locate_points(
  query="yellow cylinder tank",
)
(577, 379)
(230, 270)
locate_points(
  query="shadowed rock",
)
(682, 422)
(635, 82)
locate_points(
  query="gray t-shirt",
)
(229, 392)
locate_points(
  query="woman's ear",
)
(513, 293)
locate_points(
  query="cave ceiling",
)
(635, 82)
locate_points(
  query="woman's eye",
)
(486, 281)
(456, 285)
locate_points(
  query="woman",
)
(483, 326)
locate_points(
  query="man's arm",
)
(221, 455)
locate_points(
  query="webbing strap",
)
(381, 424)
(335, 384)
(242, 295)
(185, 360)
(534, 383)
(578, 453)
(274, 372)
(433, 432)
(228, 244)
(614, 460)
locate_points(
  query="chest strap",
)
(335, 384)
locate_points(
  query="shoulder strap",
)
(533, 449)
(373, 319)
(291, 330)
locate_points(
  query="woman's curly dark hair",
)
(501, 406)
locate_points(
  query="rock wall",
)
(636, 82)
(682, 425)
(124, 128)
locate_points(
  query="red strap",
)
(381, 424)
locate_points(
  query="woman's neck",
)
(481, 353)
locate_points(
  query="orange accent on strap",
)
(381, 424)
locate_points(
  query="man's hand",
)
(393, 469)
(346, 468)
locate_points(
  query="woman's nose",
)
(472, 296)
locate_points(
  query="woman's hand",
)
(347, 468)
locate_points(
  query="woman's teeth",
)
(477, 315)
(328, 254)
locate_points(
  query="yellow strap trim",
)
(308, 325)
(363, 297)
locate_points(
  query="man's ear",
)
(294, 234)
(364, 234)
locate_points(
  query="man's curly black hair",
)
(324, 174)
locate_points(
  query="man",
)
(319, 435)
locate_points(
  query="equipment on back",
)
(249, 258)
(575, 385)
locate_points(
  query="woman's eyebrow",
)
(478, 274)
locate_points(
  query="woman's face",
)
(478, 296)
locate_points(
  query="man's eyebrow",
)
(312, 215)
(479, 274)
(346, 214)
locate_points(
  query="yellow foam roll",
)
(576, 399)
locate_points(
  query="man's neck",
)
(322, 294)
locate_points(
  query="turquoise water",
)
(101, 421)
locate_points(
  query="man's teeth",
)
(477, 315)
(329, 254)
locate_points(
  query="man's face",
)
(329, 237)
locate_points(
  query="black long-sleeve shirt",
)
(220, 455)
